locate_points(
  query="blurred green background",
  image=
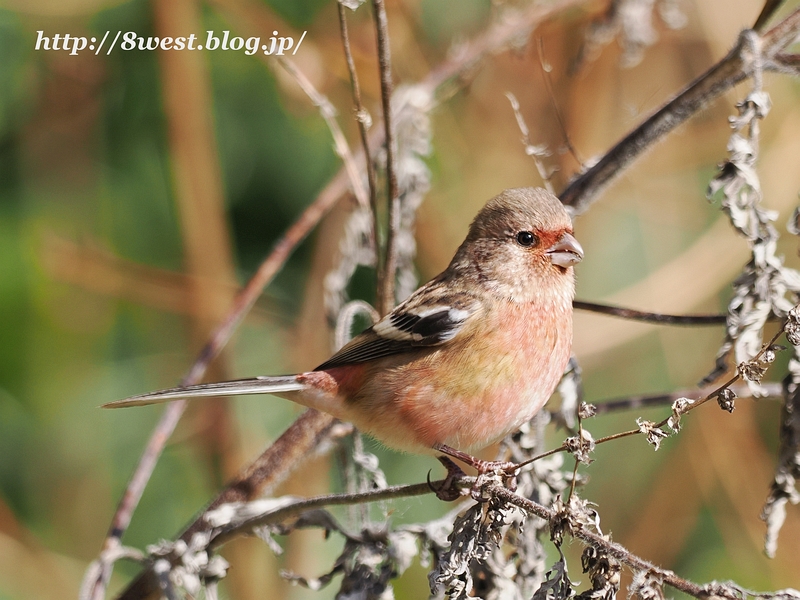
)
(137, 190)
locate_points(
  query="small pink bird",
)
(465, 360)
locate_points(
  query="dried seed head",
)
(753, 370)
(581, 446)
(792, 327)
(680, 407)
(653, 433)
(586, 411)
(725, 399)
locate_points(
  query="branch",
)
(535, 152)
(364, 121)
(648, 317)
(751, 370)
(386, 298)
(786, 63)
(198, 193)
(231, 522)
(615, 550)
(769, 9)
(602, 407)
(496, 37)
(732, 69)
(514, 25)
(328, 113)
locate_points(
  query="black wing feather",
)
(364, 347)
(415, 323)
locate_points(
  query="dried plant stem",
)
(709, 396)
(133, 493)
(349, 499)
(598, 541)
(292, 509)
(732, 69)
(328, 113)
(514, 26)
(387, 272)
(545, 69)
(769, 9)
(648, 317)
(281, 464)
(772, 390)
(535, 152)
(242, 305)
(787, 63)
(363, 120)
(270, 267)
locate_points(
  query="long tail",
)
(257, 385)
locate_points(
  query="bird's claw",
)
(449, 490)
(488, 470)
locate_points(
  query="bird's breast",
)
(473, 391)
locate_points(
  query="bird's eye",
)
(526, 238)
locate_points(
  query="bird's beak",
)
(565, 252)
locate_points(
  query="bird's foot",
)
(488, 470)
(449, 490)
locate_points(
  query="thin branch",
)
(648, 317)
(598, 541)
(281, 509)
(562, 124)
(715, 393)
(386, 284)
(732, 69)
(199, 196)
(242, 304)
(364, 121)
(769, 9)
(226, 534)
(292, 508)
(602, 407)
(786, 63)
(270, 267)
(537, 153)
(328, 113)
(512, 27)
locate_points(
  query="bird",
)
(467, 358)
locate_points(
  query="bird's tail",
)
(257, 385)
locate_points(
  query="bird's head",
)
(520, 245)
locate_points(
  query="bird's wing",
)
(428, 318)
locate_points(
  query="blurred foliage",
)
(86, 179)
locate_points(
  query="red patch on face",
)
(550, 237)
